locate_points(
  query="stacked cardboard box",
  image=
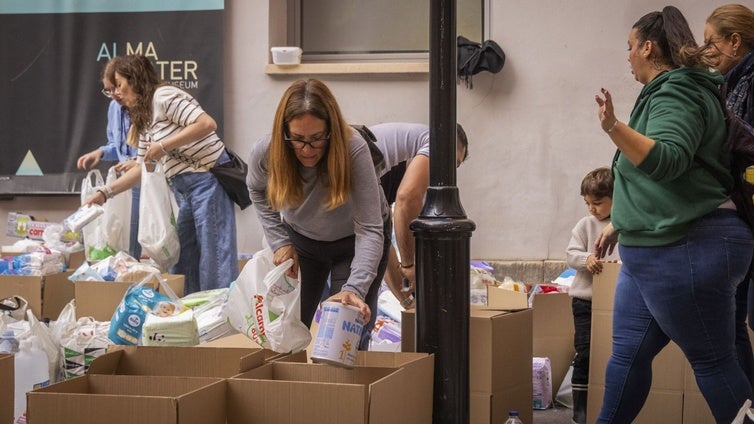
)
(552, 327)
(674, 397)
(500, 352)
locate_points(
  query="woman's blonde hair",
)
(285, 184)
(726, 20)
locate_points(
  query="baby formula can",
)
(338, 335)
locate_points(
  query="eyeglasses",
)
(317, 143)
(108, 92)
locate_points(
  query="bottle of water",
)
(513, 418)
(8, 342)
(32, 372)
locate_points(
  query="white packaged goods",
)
(83, 216)
(542, 382)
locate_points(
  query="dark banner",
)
(51, 107)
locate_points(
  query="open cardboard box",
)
(124, 399)
(99, 299)
(176, 361)
(47, 295)
(286, 392)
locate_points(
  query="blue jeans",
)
(134, 246)
(207, 232)
(683, 292)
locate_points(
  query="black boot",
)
(579, 406)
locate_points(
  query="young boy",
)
(597, 190)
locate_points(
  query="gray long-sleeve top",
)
(362, 215)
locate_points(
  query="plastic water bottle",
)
(32, 371)
(513, 418)
(8, 342)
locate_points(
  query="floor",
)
(556, 415)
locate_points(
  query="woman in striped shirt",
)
(169, 125)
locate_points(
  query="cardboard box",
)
(485, 408)
(176, 361)
(7, 388)
(505, 299)
(500, 361)
(75, 259)
(117, 399)
(47, 295)
(99, 299)
(552, 332)
(284, 392)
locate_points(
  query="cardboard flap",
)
(505, 299)
(130, 399)
(292, 402)
(106, 363)
(75, 408)
(409, 390)
(26, 286)
(177, 361)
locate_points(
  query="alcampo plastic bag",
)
(158, 234)
(264, 304)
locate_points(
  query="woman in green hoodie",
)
(683, 246)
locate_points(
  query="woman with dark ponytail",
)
(683, 246)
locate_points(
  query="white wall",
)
(533, 128)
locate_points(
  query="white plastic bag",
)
(744, 412)
(263, 303)
(117, 217)
(158, 234)
(81, 340)
(93, 233)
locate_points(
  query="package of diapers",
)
(168, 325)
(129, 316)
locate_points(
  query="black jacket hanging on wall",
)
(474, 58)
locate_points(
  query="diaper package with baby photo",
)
(170, 324)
